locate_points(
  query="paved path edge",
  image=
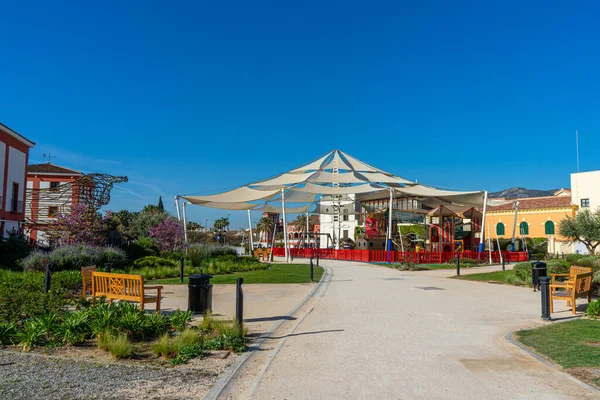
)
(222, 382)
(514, 342)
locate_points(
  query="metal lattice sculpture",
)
(91, 189)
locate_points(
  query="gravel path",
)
(30, 376)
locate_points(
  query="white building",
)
(585, 189)
(339, 216)
(585, 193)
(14, 154)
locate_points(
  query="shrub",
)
(187, 353)
(75, 257)
(587, 261)
(198, 255)
(557, 267)
(141, 248)
(153, 262)
(12, 250)
(22, 294)
(573, 258)
(231, 336)
(523, 271)
(593, 308)
(410, 267)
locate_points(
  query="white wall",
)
(586, 185)
(2, 162)
(327, 224)
(16, 173)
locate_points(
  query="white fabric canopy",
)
(243, 194)
(336, 173)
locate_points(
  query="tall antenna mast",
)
(577, 148)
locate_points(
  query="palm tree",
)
(265, 225)
(300, 224)
(221, 223)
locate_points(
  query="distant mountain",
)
(521, 193)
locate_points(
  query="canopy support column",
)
(307, 232)
(512, 241)
(389, 232)
(185, 238)
(251, 241)
(177, 207)
(482, 236)
(285, 238)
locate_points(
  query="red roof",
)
(533, 203)
(49, 168)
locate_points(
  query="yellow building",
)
(538, 217)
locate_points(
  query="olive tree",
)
(584, 228)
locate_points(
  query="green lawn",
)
(506, 277)
(277, 273)
(570, 344)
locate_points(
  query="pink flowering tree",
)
(168, 234)
(82, 225)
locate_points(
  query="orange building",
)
(538, 217)
(46, 197)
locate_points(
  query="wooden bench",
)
(262, 254)
(124, 287)
(577, 285)
(86, 277)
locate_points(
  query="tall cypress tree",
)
(161, 206)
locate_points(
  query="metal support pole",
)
(181, 270)
(389, 233)
(311, 269)
(285, 232)
(185, 240)
(512, 241)
(503, 267)
(545, 289)
(47, 279)
(482, 235)
(177, 207)
(307, 244)
(457, 264)
(239, 301)
(251, 236)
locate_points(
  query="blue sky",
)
(186, 97)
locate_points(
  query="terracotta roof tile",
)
(533, 203)
(50, 169)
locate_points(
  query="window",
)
(585, 203)
(52, 212)
(524, 228)
(549, 227)
(15, 198)
(345, 233)
(54, 185)
(500, 229)
(345, 216)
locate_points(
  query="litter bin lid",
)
(538, 264)
(199, 278)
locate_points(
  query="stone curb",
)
(220, 385)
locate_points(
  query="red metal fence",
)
(421, 257)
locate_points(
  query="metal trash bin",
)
(538, 269)
(200, 293)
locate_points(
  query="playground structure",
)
(449, 218)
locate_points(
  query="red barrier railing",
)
(422, 257)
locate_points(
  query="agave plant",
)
(32, 334)
(74, 329)
(180, 319)
(8, 332)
